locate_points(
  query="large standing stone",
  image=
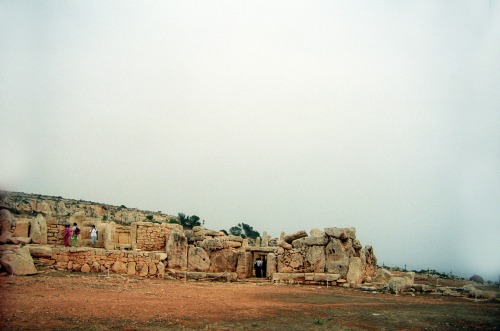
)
(289, 238)
(176, 248)
(152, 269)
(271, 264)
(337, 259)
(371, 261)
(198, 259)
(244, 268)
(5, 226)
(356, 273)
(17, 260)
(315, 259)
(397, 284)
(223, 260)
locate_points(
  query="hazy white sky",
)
(287, 115)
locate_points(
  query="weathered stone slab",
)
(289, 238)
(17, 260)
(198, 259)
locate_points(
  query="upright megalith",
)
(337, 258)
(176, 247)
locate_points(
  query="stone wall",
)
(298, 256)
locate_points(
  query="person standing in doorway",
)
(93, 235)
(264, 267)
(258, 267)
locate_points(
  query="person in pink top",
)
(66, 235)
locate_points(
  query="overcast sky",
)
(286, 115)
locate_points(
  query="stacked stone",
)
(213, 251)
(150, 236)
(54, 233)
(334, 251)
(144, 264)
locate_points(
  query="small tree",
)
(188, 221)
(235, 231)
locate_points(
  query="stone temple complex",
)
(147, 244)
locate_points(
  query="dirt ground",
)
(74, 301)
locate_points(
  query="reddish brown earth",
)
(61, 301)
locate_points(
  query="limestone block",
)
(131, 268)
(336, 257)
(85, 268)
(223, 260)
(284, 245)
(288, 277)
(289, 238)
(355, 273)
(176, 248)
(341, 233)
(315, 259)
(161, 270)
(22, 228)
(232, 244)
(198, 259)
(119, 267)
(310, 241)
(309, 276)
(152, 269)
(17, 260)
(212, 244)
(245, 265)
(144, 270)
(271, 264)
(40, 251)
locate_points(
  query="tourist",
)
(66, 235)
(258, 268)
(93, 235)
(76, 232)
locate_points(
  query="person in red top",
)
(66, 235)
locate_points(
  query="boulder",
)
(17, 260)
(289, 238)
(198, 259)
(398, 284)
